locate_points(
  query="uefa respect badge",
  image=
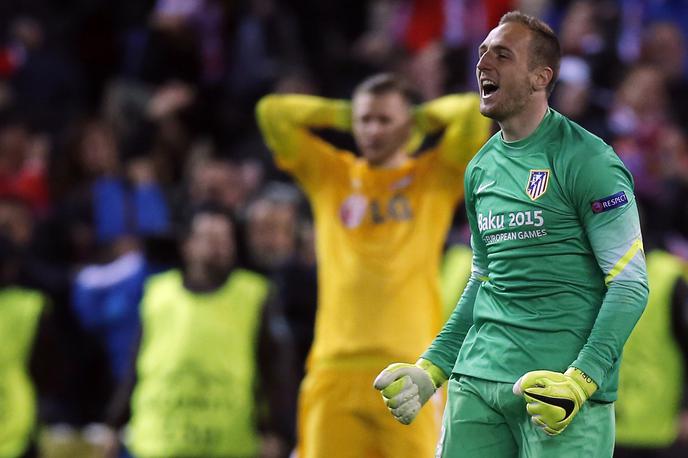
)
(609, 203)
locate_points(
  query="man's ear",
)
(541, 78)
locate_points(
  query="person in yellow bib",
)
(655, 356)
(26, 352)
(210, 336)
(381, 219)
(20, 315)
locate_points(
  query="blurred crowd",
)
(119, 119)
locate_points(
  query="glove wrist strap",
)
(437, 376)
(583, 380)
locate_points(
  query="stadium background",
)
(100, 98)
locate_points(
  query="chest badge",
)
(352, 210)
(537, 183)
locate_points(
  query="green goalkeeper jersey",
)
(558, 274)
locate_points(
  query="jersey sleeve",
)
(603, 196)
(445, 348)
(465, 129)
(285, 122)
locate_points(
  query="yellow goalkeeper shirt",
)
(379, 232)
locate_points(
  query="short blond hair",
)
(544, 48)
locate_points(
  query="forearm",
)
(45, 357)
(437, 114)
(152, 213)
(276, 360)
(282, 117)
(465, 129)
(118, 410)
(445, 348)
(616, 241)
(622, 306)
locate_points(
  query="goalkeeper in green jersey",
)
(533, 348)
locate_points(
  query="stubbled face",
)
(16, 223)
(272, 233)
(504, 78)
(210, 245)
(381, 126)
(98, 151)
(644, 91)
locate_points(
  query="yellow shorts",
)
(341, 415)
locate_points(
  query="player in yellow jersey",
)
(381, 220)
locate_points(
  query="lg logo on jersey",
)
(354, 209)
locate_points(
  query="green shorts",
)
(485, 419)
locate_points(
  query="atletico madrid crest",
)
(537, 183)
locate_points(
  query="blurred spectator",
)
(160, 122)
(577, 97)
(125, 212)
(639, 122)
(20, 315)
(664, 48)
(191, 397)
(275, 246)
(172, 120)
(171, 50)
(106, 299)
(101, 200)
(47, 102)
(106, 211)
(433, 43)
(272, 221)
(637, 15)
(590, 67)
(222, 182)
(23, 156)
(264, 47)
(89, 155)
(67, 390)
(586, 33)
(656, 355)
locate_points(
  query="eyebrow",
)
(497, 48)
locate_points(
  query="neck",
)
(393, 161)
(524, 123)
(201, 279)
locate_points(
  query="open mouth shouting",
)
(488, 88)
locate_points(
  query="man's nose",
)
(484, 62)
(373, 128)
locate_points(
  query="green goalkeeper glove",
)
(554, 398)
(406, 387)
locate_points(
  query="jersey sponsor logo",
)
(353, 210)
(398, 208)
(609, 203)
(537, 183)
